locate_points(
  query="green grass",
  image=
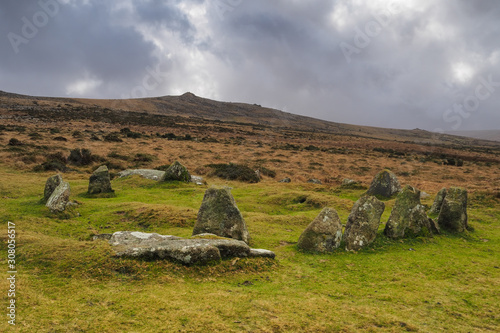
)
(67, 283)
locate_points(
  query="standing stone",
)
(51, 184)
(177, 172)
(59, 198)
(323, 234)
(408, 215)
(385, 184)
(453, 213)
(438, 202)
(420, 223)
(363, 222)
(219, 215)
(100, 181)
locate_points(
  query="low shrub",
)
(312, 148)
(234, 172)
(163, 167)
(80, 157)
(35, 136)
(267, 172)
(54, 162)
(94, 137)
(15, 142)
(112, 137)
(169, 136)
(144, 158)
(77, 134)
(114, 154)
(130, 134)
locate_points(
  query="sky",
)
(429, 64)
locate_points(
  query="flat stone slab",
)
(254, 253)
(145, 173)
(152, 174)
(187, 251)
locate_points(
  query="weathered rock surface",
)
(59, 198)
(285, 180)
(197, 180)
(187, 251)
(363, 222)
(453, 212)
(51, 184)
(145, 173)
(154, 175)
(219, 215)
(384, 184)
(177, 172)
(408, 216)
(438, 202)
(349, 182)
(323, 234)
(99, 181)
(315, 181)
(261, 253)
(420, 223)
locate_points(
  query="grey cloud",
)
(283, 54)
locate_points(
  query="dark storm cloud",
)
(393, 63)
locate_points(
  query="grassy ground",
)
(67, 283)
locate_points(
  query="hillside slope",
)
(201, 109)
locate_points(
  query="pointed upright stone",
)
(453, 212)
(363, 222)
(323, 234)
(177, 172)
(51, 184)
(385, 184)
(219, 215)
(100, 181)
(419, 223)
(408, 215)
(59, 198)
(438, 202)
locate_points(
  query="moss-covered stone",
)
(220, 216)
(385, 184)
(408, 217)
(323, 234)
(363, 222)
(59, 198)
(453, 212)
(100, 181)
(51, 184)
(438, 202)
(177, 172)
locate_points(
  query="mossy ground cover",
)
(68, 283)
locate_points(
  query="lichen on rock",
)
(408, 217)
(100, 181)
(323, 234)
(177, 172)
(219, 215)
(363, 222)
(385, 185)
